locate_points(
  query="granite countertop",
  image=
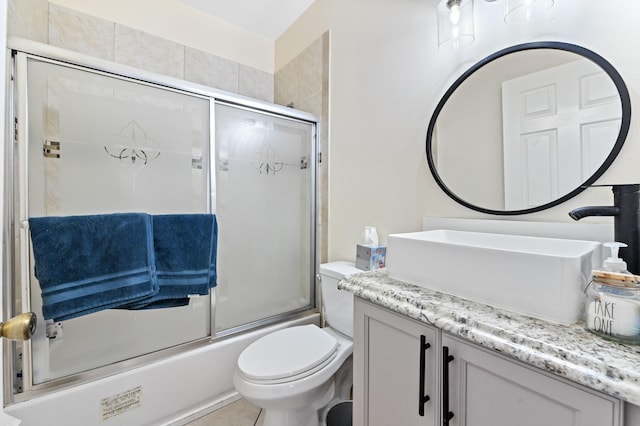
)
(568, 351)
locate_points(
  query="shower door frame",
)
(19, 51)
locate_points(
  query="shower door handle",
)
(422, 398)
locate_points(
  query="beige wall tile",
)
(305, 82)
(312, 106)
(325, 64)
(80, 32)
(210, 70)
(148, 52)
(324, 177)
(50, 23)
(255, 83)
(286, 83)
(28, 19)
(310, 71)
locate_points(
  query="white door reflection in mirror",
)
(558, 125)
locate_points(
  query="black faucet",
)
(626, 217)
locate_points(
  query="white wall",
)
(386, 77)
(185, 25)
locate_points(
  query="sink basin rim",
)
(575, 248)
(536, 276)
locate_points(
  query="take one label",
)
(602, 317)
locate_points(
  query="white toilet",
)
(298, 373)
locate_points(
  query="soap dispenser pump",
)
(614, 263)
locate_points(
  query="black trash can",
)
(341, 414)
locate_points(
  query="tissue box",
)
(369, 258)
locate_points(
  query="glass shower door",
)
(96, 144)
(265, 185)
(92, 142)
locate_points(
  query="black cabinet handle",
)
(422, 398)
(446, 359)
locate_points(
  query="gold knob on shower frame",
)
(20, 327)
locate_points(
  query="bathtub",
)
(171, 391)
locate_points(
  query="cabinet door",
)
(387, 369)
(488, 389)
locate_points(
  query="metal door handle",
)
(446, 359)
(422, 398)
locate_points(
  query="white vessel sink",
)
(541, 277)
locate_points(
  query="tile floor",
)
(239, 413)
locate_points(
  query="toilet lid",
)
(286, 353)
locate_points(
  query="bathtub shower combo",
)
(96, 138)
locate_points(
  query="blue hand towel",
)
(185, 248)
(85, 264)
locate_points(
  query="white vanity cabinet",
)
(395, 368)
(485, 388)
(478, 386)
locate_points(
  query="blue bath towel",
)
(85, 264)
(185, 247)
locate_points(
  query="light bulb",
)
(455, 14)
(455, 23)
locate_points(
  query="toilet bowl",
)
(296, 373)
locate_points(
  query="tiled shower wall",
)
(303, 83)
(50, 23)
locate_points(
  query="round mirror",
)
(527, 128)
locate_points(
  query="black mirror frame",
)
(594, 57)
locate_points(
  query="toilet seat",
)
(287, 355)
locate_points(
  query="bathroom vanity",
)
(425, 357)
(422, 357)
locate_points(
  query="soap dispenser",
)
(612, 310)
(614, 263)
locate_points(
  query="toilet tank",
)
(337, 305)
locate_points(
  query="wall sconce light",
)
(526, 10)
(455, 23)
(20, 327)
